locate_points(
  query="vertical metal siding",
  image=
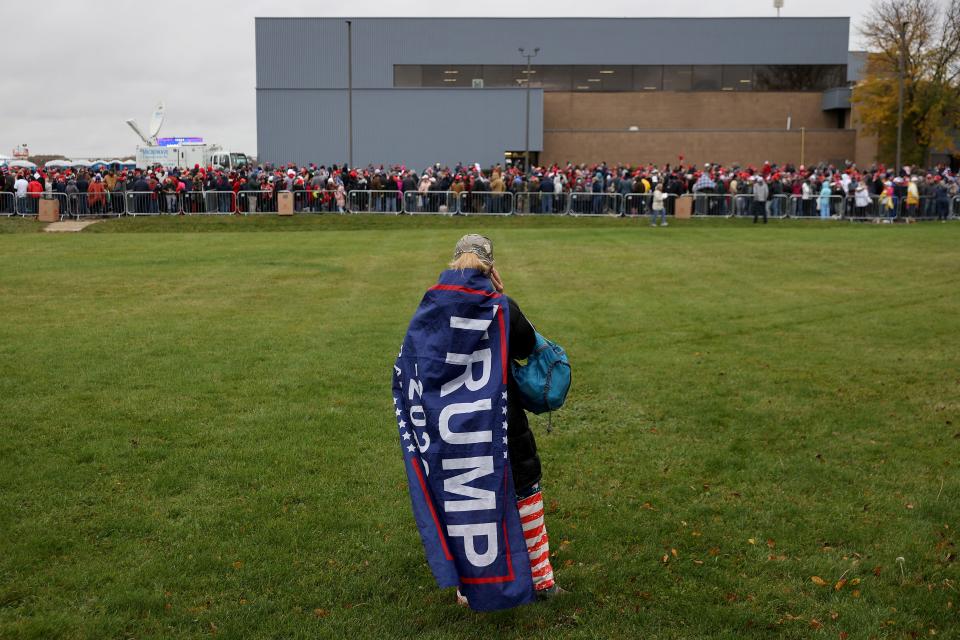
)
(311, 52)
(416, 127)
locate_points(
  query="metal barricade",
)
(442, 202)
(325, 201)
(116, 203)
(29, 205)
(801, 207)
(637, 204)
(143, 203)
(777, 205)
(206, 202)
(587, 203)
(367, 201)
(866, 211)
(539, 202)
(485, 203)
(8, 204)
(925, 209)
(91, 205)
(256, 201)
(713, 204)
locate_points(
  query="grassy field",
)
(761, 441)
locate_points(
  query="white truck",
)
(186, 156)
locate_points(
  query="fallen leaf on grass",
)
(751, 541)
(673, 552)
(320, 613)
(815, 624)
(855, 593)
(648, 506)
(777, 558)
(771, 543)
(840, 583)
(876, 571)
(817, 580)
(698, 562)
(731, 597)
(844, 635)
(714, 551)
(834, 615)
(855, 582)
(237, 564)
(213, 628)
(665, 559)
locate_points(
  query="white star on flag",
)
(504, 410)
(403, 423)
(504, 454)
(411, 448)
(398, 413)
(504, 395)
(504, 424)
(406, 435)
(504, 439)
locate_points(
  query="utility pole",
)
(350, 92)
(526, 147)
(902, 47)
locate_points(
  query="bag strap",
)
(546, 391)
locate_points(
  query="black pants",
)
(759, 209)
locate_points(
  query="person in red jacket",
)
(34, 189)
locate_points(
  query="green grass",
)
(197, 435)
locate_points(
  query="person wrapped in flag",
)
(470, 456)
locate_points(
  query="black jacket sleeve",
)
(522, 339)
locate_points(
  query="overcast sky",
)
(75, 70)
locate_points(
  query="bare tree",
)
(928, 33)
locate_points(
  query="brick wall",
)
(742, 127)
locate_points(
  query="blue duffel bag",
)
(545, 380)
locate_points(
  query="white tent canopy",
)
(23, 164)
(57, 164)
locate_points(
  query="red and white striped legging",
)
(535, 533)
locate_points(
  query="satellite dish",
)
(156, 121)
(136, 129)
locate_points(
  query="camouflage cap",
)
(480, 246)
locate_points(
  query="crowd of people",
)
(769, 189)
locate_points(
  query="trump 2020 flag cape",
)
(450, 397)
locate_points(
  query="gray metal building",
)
(453, 90)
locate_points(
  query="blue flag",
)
(450, 397)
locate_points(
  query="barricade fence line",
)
(29, 205)
(253, 201)
(92, 205)
(8, 204)
(369, 201)
(580, 203)
(587, 203)
(435, 202)
(541, 202)
(491, 203)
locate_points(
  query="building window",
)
(737, 78)
(677, 78)
(799, 77)
(706, 77)
(648, 78)
(407, 75)
(608, 78)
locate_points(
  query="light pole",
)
(526, 146)
(350, 93)
(902, 47)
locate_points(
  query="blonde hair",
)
(471, 261)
